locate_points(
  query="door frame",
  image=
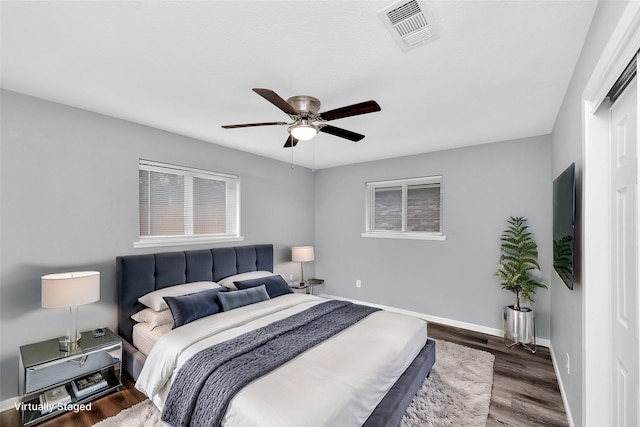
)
(596, 253)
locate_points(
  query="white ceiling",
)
(498, 71)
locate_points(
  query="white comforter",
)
(339, 382)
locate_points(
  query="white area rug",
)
(457, 393)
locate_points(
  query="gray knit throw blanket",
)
(208, 381)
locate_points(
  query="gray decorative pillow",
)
(187, 308)
(235, 299)
(155, 300)
(275, 285)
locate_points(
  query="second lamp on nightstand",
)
(302, 254)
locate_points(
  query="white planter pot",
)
(519, 327)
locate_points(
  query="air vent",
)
(410, 23)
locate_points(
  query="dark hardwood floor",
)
(525, 389)
(105, 407)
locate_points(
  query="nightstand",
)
(43, 367)
(308, 288)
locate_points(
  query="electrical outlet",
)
(290, 277)
(358, 283)
(568, 365)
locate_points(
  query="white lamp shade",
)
(70, 289)
(302, 254)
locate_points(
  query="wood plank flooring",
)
(525, 389)
(105, 407)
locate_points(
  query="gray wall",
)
(566, 305)
(69, 201)
(454, 279)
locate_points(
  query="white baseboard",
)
(567, 408)
(9, 404)
(542, 342)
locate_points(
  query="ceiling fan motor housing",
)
(304, 103)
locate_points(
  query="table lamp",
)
(69, 290)
(302, 254)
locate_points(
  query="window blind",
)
(180, 201)
(405, 207)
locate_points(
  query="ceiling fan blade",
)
(248, 125)
(276, 100)
(351, 110)
(291, 142)
(342, 133)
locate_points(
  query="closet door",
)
(624, 257)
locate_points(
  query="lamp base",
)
(67, 345)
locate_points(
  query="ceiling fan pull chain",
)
(292, 167)
(313, 158)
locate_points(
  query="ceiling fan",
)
(307, 121)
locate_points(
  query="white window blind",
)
(181, 205)
(405, 208)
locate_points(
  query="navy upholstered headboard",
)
(140, 274)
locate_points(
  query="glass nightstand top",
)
(47, 351)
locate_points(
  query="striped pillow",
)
(235, 299)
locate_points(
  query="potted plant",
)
(519, 258)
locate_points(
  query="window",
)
(181, 205)
(405, 209)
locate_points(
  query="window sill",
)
(409, 236)
(154, 242)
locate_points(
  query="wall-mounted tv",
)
(564, 213)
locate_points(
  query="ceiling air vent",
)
(410, 23)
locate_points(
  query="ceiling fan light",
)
(303, 131)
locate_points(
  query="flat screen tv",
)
(564, 213)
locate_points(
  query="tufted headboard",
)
(140, 274)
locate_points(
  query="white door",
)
(624, 258)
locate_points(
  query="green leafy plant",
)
(519, 257)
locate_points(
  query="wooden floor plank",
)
(525, 389)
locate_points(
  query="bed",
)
(301, 380)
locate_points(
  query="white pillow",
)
(155, 301)
(228, 281)
(154, 318)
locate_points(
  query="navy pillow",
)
(235, 299)
(187, 308)
(275, 285)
